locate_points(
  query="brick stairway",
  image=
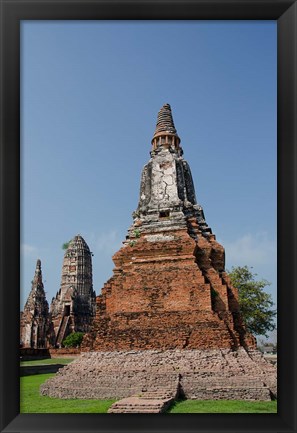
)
(62, 330)
(150, 401)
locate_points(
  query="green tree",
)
(73, 340)
(65, 245)
(256, 306)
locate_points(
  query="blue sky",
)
(90, 93)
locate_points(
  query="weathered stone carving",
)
(166, 185)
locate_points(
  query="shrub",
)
(73, 340)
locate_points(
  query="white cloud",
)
(28, 250)
(251, 250)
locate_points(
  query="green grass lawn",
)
(47, 361)
(33, 402)
(223, 406)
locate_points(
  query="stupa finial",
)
(165, 121)
(165, 133)
(37, 281)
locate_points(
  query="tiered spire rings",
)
(165, 134)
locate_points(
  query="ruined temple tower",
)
(169, 289)
(168, 321)
(73, 308)
(35, 317)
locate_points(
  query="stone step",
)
(140, 405)
(155, 395)
(133, 410)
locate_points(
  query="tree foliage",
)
(73, 340)
(256, 306)
(65, 245)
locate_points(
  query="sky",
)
(90, 94)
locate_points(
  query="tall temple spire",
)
(73, 307)
(167, 193)
(77, 267)
(35, 317)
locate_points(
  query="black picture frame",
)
(12, 12)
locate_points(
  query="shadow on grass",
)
(46, 361)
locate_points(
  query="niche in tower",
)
(66, 310)
(164, 214)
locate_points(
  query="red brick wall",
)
(163, 296)
(63, 352)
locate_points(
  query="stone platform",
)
(197, 374)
